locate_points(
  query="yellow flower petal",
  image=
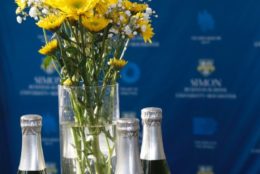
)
(21, 4)
(134, 7)
(51, 22)
(117, 63)
(67, 82)
(72, 8)
(148, 33)
(49, 47)
(95, 23)
(145, 28)
(103, 5)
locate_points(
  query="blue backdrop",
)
(202, 68)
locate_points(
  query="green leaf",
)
(71, 50)
(47, 61)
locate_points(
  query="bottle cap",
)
(31, 120)
(128, 124)
(152, 113)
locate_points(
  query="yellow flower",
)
(146, 30)
(67, 82)
(72, 8)
(117, 63)
(51, 22)
(120, 17)
(95, 23)
(49, 47)
(103, 5)
(21, 5)
(134, 7)
(148, 33)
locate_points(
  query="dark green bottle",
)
(32, 159)
(33, 172)
(152, 151)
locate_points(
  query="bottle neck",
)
(152, 145)
(32, 158)
(128, 160)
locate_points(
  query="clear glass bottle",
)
(152, 151)
(32, 159)
(128, 160)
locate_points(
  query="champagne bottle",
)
(152, 151)
(128, 160)
(32, 159)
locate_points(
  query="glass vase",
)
(87, 118)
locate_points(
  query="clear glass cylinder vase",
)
(87, 118)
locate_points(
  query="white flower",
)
(45, 11)
(110, 35)
(30, 2)
(113, 6)
(148, 11)
(128, 30)
(19, 19)
(33, 12)
(113, 30)
(121, 18)
(128, 13)
(143, 28)
(146, 16)
(135, 33)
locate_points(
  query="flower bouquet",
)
(86, 47)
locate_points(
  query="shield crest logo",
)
(206, 67)
(205, 170)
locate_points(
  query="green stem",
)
(55, 66)
(45, 36)
(110, 152)
(78, 149)
(97, 153)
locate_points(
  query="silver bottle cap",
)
(151, 116)
(128, 126)
(152, 145)
(31, 120)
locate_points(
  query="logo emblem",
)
(206, 67)
(131, 73)
(205, 170)
(205, 21)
